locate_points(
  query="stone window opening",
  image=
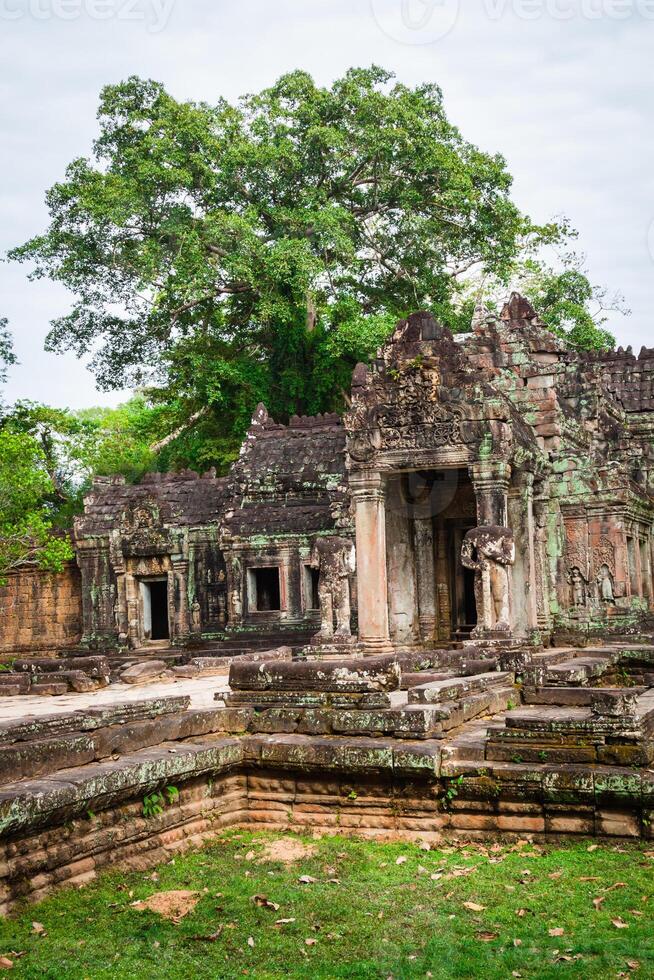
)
(154, 599)
(264, 589)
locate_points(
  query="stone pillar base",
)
(375, 647)
(333, 647)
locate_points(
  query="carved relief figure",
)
(196, 616)
(335, 560)
(605, 584)
(490, 553)
(578, 585)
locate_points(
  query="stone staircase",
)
(54, 676)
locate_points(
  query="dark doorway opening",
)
(266, 587)
(159, 610)
(462, 582)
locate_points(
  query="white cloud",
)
(567, 103)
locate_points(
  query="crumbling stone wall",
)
(40, 612)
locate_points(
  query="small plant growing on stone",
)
(517, 759)
(452, 791)
(511, 705)
(352, 795)
(542, 755)
(153, 805)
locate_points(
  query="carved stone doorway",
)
(155, 619)
(430, 593)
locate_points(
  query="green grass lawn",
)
(365, 909)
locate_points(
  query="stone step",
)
(424, 677)
(95, 667)
(45, 756)
(77, 681)
(56, 799)
(488, 702)
(573, 696)
(578, 671)
(469, 744)
(361, 675)
(547, 658)
(9, 679)
(26, 729)
(456, 688)
(402, 720)
(11, 690)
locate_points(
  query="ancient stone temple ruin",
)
(432, 615)
(494, 487)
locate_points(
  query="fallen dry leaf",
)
(250, 856)
(555, 875)
(6, 963)
(633, 964)
(597, 902)
(251, 942)
(424, 846)
(38, 928)
(307, 880)
(521, 913)
(263, 902)
(517, 942)
(284, 922)
(593, 847)
(486, 937)
(401, 860)
(172, 905)
(474, 907)
(618, 884)
(556, 932)
(310, 942)
(620, 923)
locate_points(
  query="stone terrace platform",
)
(423, 745)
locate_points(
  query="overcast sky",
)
(563, 88)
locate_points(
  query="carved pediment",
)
(141, 527)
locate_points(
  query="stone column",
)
(491, 479)
(178, 601)
(521, 521)
(370, 518)
(443, 603)
(423, 536)
(133, 603)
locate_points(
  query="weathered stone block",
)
(345, 676)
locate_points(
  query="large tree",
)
(229, 253)
(25, 491)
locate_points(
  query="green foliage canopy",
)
(230, 253)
